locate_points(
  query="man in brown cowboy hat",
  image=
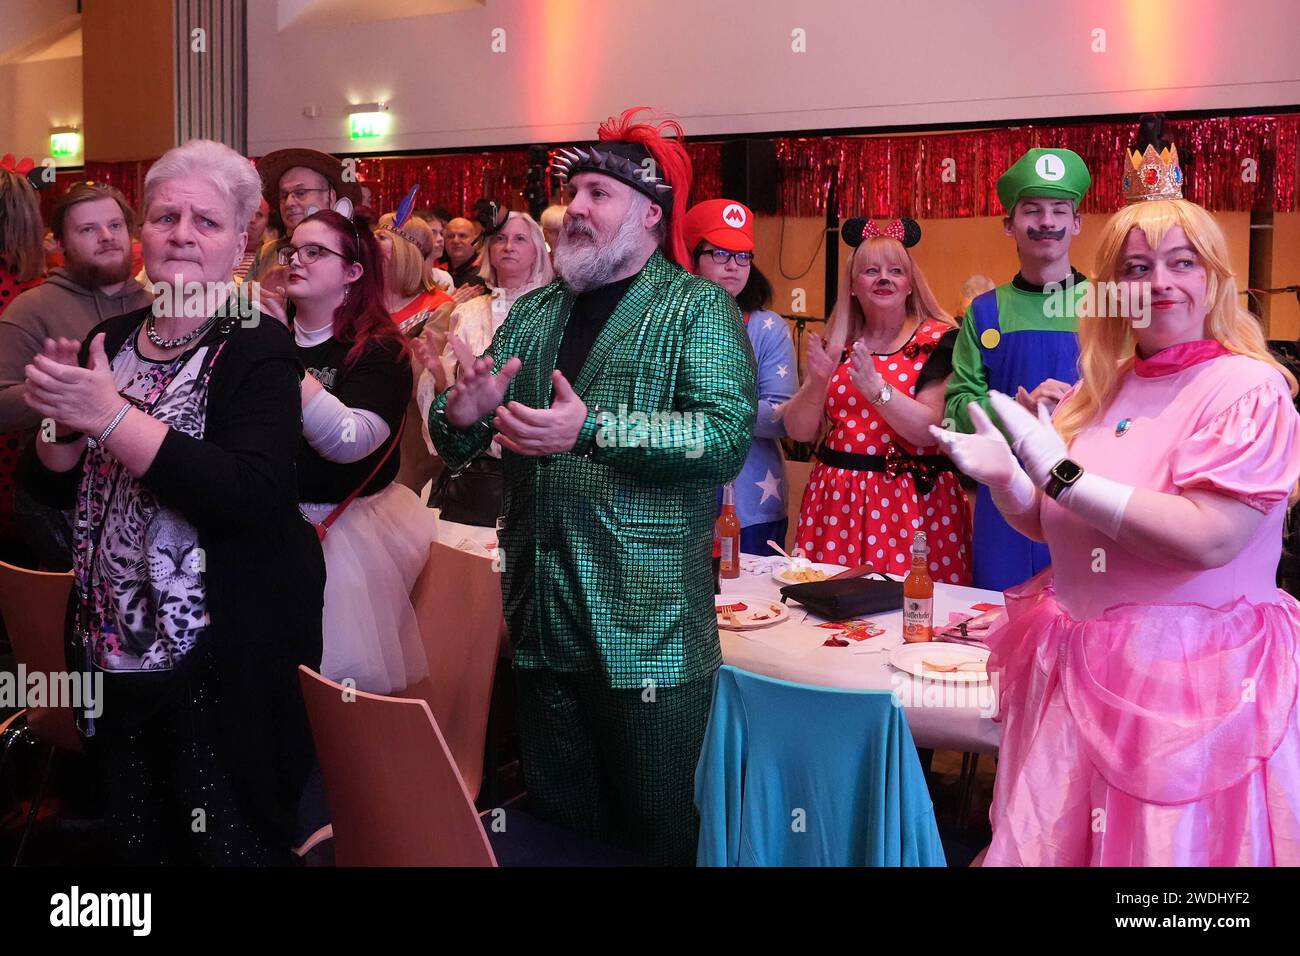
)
(299, 182)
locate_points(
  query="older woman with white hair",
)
(516, 263)
(199, 582)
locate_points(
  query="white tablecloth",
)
(466, 537)
(942, 715)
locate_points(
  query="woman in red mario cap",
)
(720, 236)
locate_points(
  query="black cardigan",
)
(265, 572)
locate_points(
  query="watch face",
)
(1067, 471)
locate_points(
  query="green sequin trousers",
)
(615, 765)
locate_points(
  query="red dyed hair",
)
(363, 317)
(673, 161)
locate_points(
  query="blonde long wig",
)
(848, 321)
(1106, 345)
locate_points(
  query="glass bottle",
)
(918, 594)
(728, 531)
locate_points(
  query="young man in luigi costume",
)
(1020, 338)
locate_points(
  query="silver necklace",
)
(151, 330)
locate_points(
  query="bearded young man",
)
(92, 224)
(608, 547)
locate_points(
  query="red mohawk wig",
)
(674, 168)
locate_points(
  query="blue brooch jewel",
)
(1124, 425)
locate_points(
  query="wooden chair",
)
(457, 600)
(34, 606)
(796, 480)
(395, 795)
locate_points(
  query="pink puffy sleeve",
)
(1249, 451)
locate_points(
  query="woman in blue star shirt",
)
(720, 235)
(354, 400)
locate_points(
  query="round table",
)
(942, 715)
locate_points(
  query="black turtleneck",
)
(1024, 285)
(591, 310)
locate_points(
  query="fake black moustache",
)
(1047, 233)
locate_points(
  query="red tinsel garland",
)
(954, 175)
(944, 176)
(455, 181)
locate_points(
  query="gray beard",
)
(587, 264)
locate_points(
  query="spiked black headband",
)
(629, 163)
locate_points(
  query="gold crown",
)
(1153, 175)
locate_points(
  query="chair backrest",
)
(796, 480)
(457, 600)
(394, 793)
(34, 605)
(799, 775)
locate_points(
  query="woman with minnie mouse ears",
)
(871, 391)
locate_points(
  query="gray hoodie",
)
(57, 307)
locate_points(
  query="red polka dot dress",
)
(852, 517)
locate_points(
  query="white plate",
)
(912, 657)
(778, 574)
(759, 612)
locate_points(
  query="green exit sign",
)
(65, 144)
(367, 125)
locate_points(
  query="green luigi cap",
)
(1044, 172)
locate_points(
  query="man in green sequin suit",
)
(610, 493)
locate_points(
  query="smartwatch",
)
(1064, 474)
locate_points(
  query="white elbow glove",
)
(986, 457)
(1097, 500)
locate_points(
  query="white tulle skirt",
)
(373, 554)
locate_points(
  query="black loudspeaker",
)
(750, 174)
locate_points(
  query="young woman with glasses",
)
(353, 404)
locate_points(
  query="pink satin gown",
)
(1150, 711)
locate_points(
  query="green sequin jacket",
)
(608, 547)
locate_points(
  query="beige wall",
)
(129, 89)
(1284, 317)
(34, 97)
(728, 68)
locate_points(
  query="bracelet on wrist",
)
(117, 420)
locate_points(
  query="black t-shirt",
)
(378, 381)
(591, 310)
(467, 274)
(939, 365)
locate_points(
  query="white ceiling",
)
(29, 29)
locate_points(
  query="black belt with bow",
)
(924, 469)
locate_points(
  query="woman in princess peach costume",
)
(1148, 679)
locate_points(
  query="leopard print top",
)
(138, 562)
